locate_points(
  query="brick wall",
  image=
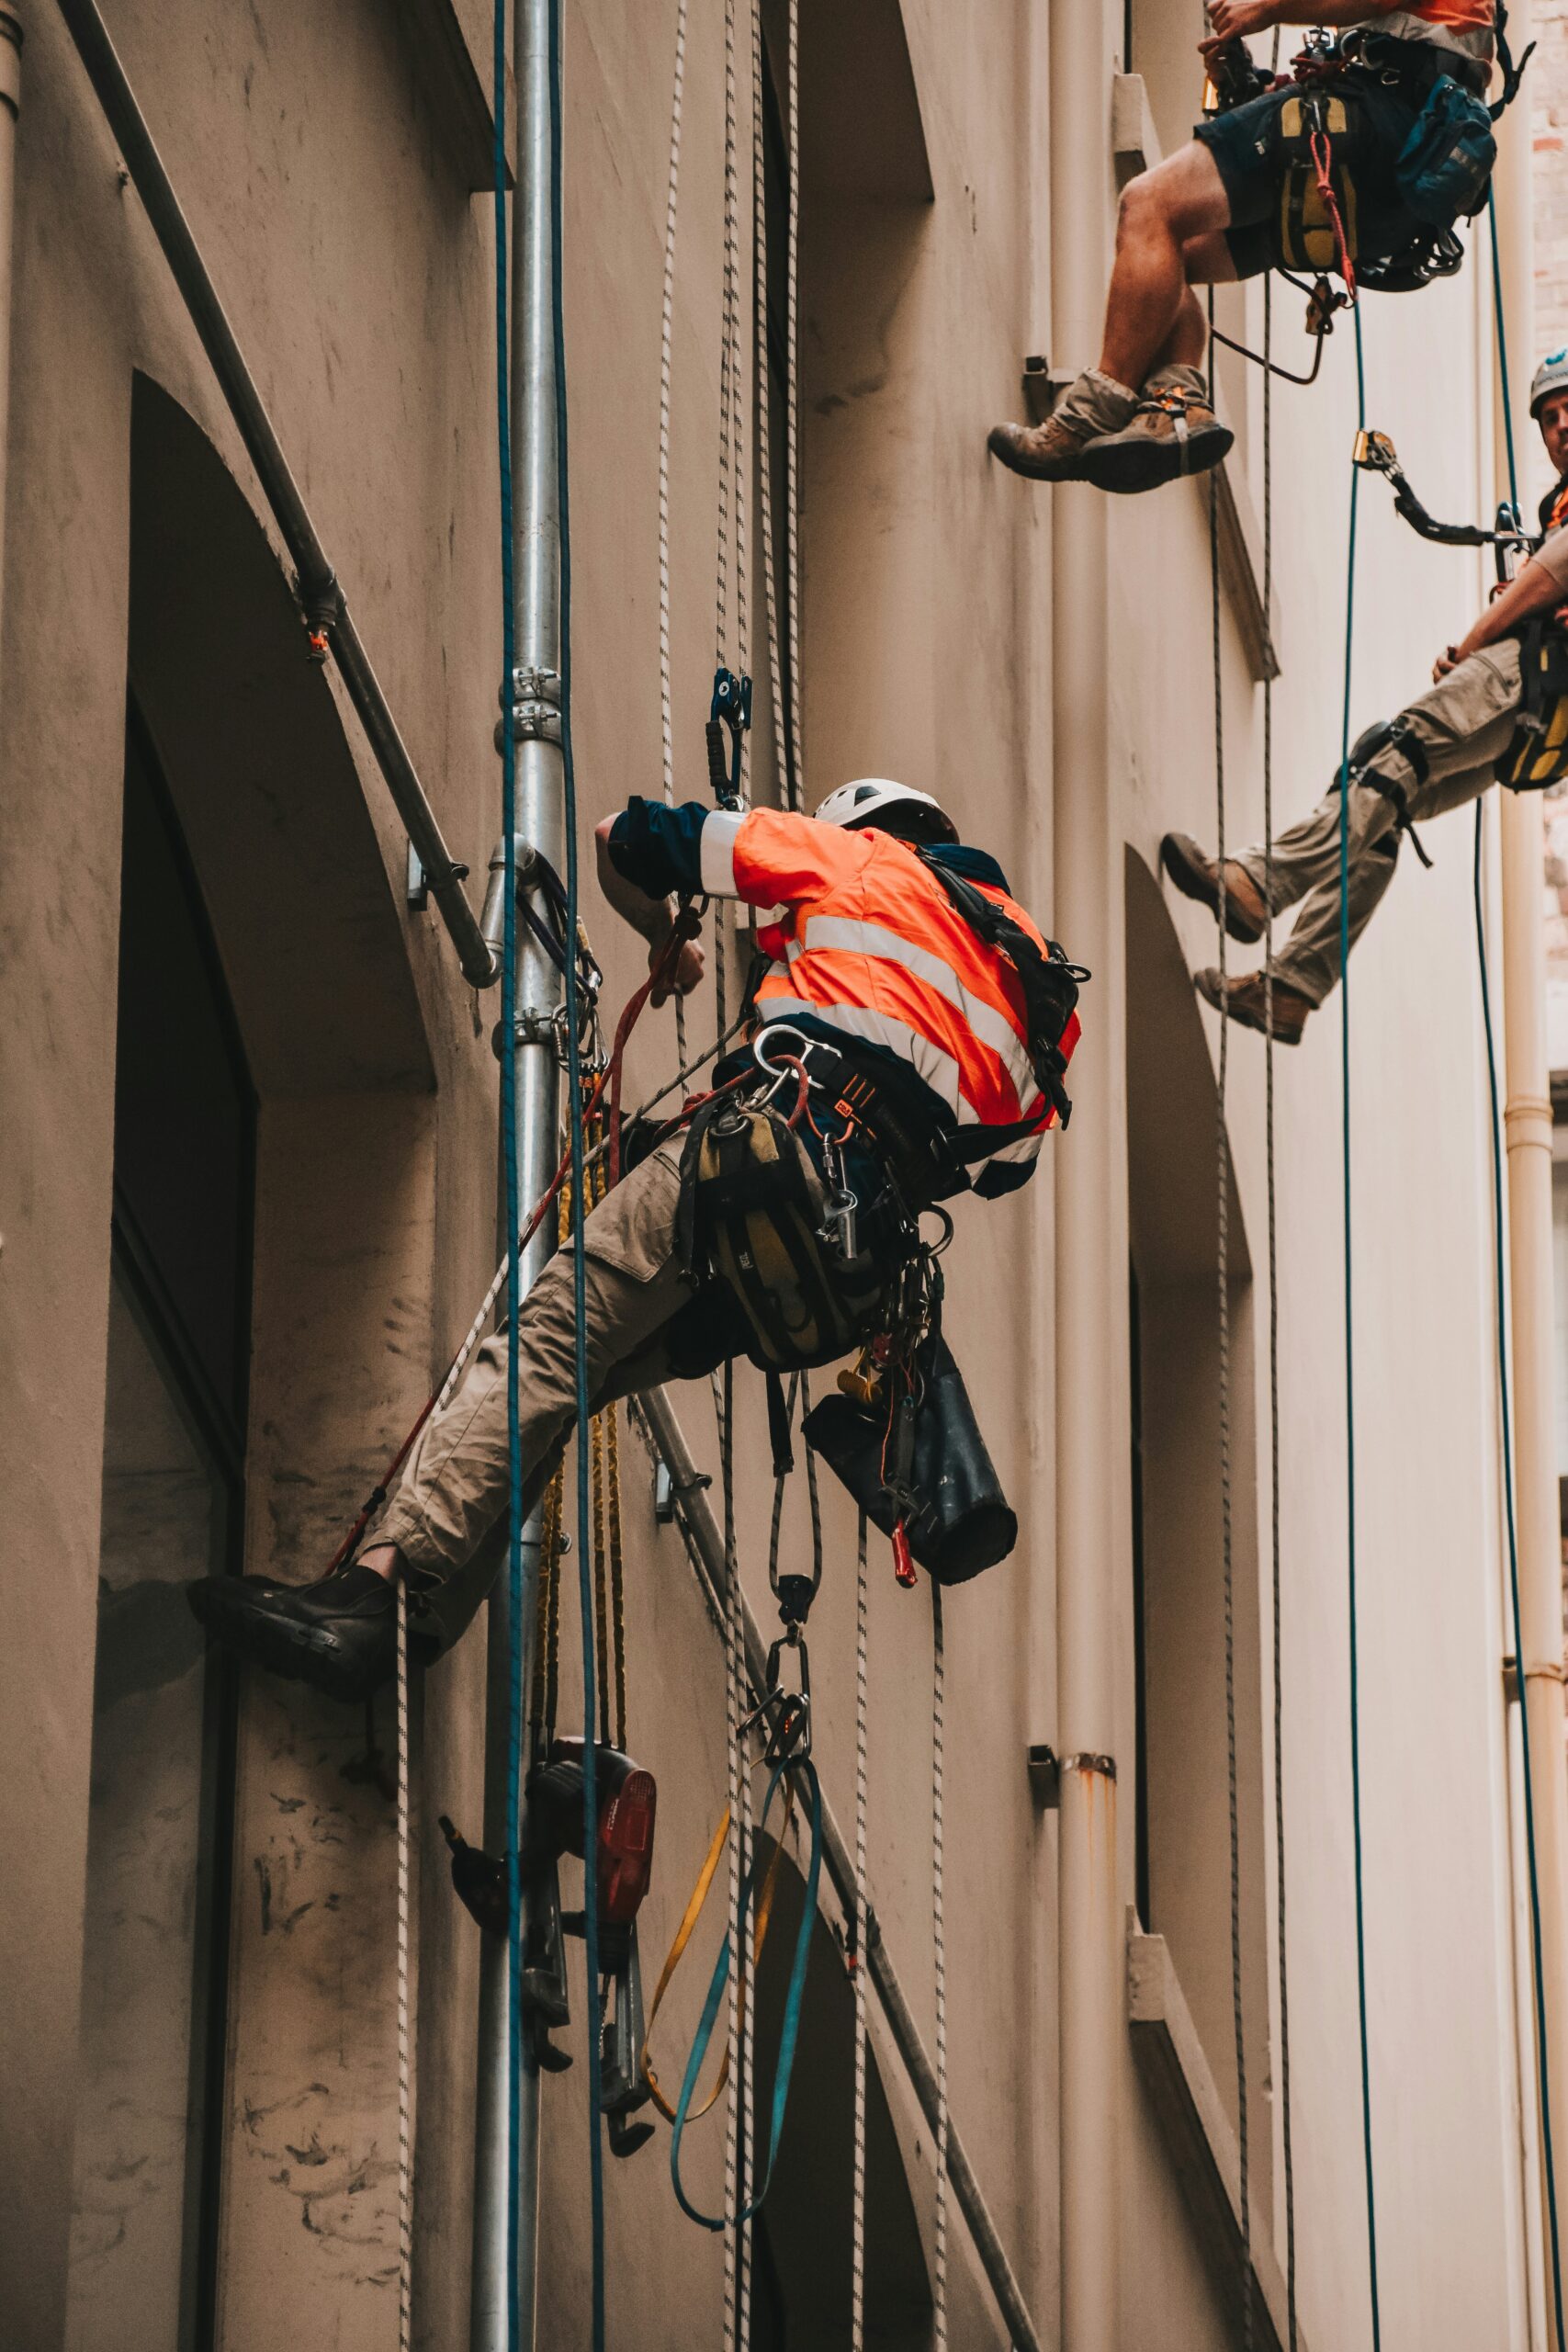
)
(1547, 84)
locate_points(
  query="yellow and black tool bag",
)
(751, 1217)
(1538, 751)
(1304, 224)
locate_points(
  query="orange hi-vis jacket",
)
(863, 940)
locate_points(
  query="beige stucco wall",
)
(356, 266)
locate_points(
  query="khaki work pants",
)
(1463, 724)
(448, 1515)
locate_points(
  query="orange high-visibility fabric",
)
(865, 939)
(1459, 16)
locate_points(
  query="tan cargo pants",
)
(448, 1514)
(1463, 724)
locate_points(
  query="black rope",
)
(1268, 673)
(1223, 1187)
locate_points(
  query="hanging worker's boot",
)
(339, 1634)
(1243, 1002)
(1093, 405)
(1198, 876)
(1172, 431)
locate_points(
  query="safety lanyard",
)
(790, 2032)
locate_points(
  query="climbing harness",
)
(1221, 1276)
(1537, 753)
(1320, 140)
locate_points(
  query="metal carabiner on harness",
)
(729, 709)
(789, 1731)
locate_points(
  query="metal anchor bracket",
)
(535, 708)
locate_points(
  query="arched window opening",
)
(802, 2237)
(1183, 1784)
(143, 2245)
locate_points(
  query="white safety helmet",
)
(870, 797)
(1550, 376)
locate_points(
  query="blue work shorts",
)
(1248, 152)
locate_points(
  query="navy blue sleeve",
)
(658, 849)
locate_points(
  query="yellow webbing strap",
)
(683, 1933)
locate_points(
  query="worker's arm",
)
(1231, 19)
(652, 917)
(1536, 589)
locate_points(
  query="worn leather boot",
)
(1172, 431)
(339, 1634)
(1243, 1002)
(1196, 875)
(1092, 405)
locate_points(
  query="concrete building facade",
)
(247, 1204)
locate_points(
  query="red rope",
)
(1322, 157)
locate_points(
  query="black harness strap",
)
(1049, 983)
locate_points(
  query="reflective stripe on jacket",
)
(863, 938)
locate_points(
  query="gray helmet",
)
(1550, 376)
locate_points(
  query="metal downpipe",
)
(1089, 1247)
(321, 598)
(1528, 1138)
(530, 701)
(10, 114)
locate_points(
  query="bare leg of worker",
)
(1167, 233)
(1160, 214)
(1462, 726)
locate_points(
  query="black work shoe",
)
(1245, 1002)
(339, 1634)
(1197, 876)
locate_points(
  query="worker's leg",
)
(453, 1488)
(1458, 730)
(1161, 213)
(1153, 323)
(453, 1491)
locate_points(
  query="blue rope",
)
(1351, 1347)
(574, 1114)
(513, 1215)
(1500, 1288)
(789, 2032)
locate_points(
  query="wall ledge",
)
(1197, 2132)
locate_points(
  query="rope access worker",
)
(1240, 198)
(1474, 725)
(921, 1025)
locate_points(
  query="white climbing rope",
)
(405, 2065)
(792, 414)
(938, 1948)
(858, 1978)
(738, 2153)
(666, 369)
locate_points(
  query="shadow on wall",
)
(801, 2295)
(1183, 1809)
(263, 782)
